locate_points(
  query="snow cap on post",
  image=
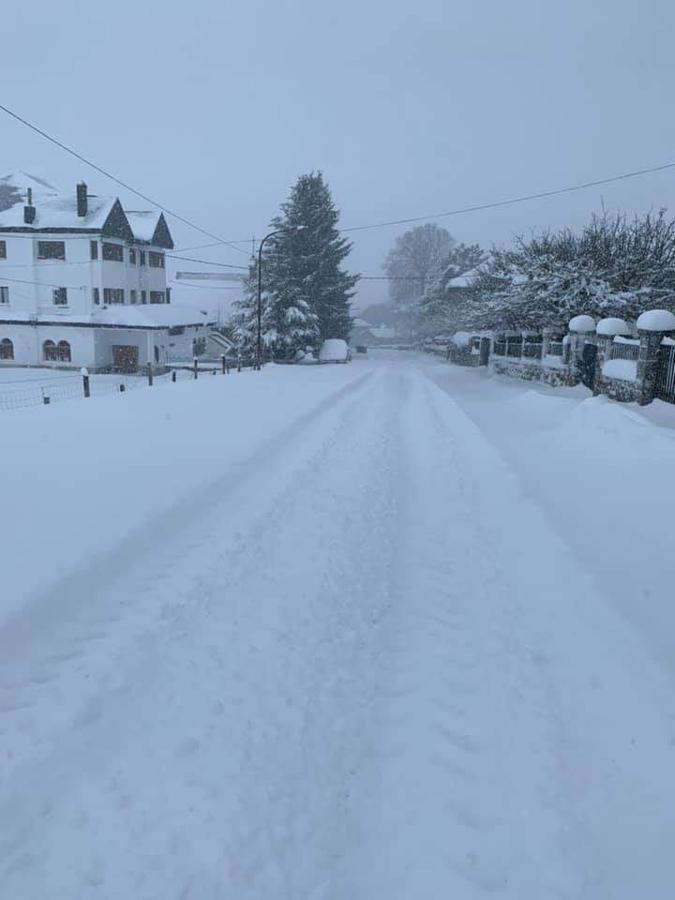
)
(461, 339)
(582, 323)
(610, 327)
(656, 320)
(84, 371)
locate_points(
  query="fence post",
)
(85, 381)
(149, 374)
(173, 375)
(238, 363)
(223, 361)
(123, 388)
(45, 397)
(195, 368)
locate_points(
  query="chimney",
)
(29, 209)
(82, 200)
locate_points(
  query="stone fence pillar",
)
(648, 364)
(653, 326)
(604, 344)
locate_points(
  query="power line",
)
(38, 283)
(114, 178)
(513, 200)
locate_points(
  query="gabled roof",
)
(56, 211)
(53, 210)
(149, 227)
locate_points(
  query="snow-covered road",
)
(357, 660)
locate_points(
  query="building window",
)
(96, 296)
(113, 252)
(52, 352)
(60, 296)
(132, 257)
(3, 249)
(141, 255)
(6, 349)
(113, 295)
(51, 250)
(93, 249)
(132, 296)
(4, 295)
(157, 296)
(156, 260)
(144, 297)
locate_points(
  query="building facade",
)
(83, 282)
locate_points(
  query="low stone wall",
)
(462, 356)
(533, 371)
(617, 389)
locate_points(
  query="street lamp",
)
(260, 249)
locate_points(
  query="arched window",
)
(49, 351)
(6, 349)
(63, 351)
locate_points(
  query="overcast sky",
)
(214, 107)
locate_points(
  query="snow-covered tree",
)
(414, 263)
(309, 291)
(615, 267)
(244, 322)
(442, 305)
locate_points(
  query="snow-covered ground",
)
(386, 630)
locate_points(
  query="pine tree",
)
(244, 321)
(310, 293)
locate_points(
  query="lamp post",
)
(260, 249)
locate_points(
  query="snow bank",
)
(656, 320)
(612, 326)
(582, 323)
(79, 478)
(461, 338)
(623, 369)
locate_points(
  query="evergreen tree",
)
(309, 292)
(244, 322)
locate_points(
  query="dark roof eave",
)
(31, 230)
(102, 325)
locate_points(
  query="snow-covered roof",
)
(656, 320)
(466, 279)
(611, 326)
(56, 210)
(143, 223)
(160, 315)
(582, 323)
(14, 188)
(149, 226)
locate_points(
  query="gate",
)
(588, 357)
(665, 379)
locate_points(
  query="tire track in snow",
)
(97, 731)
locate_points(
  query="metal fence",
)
(20, 392)
(625, 350)
(665, 380)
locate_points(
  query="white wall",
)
(28, 341)
(78, 273)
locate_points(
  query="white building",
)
(83, 282)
